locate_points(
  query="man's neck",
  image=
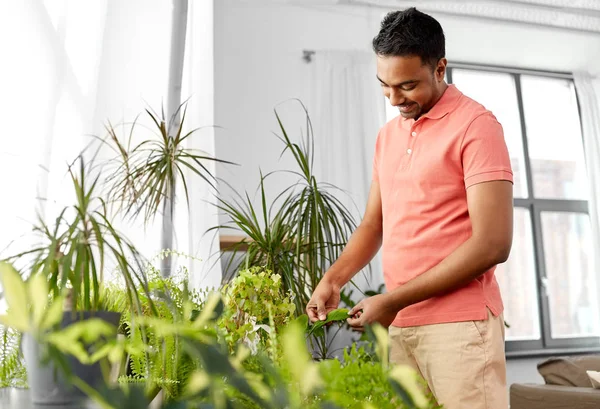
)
(440, 93)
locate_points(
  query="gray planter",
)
(48, 385)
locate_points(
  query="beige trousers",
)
(463, 363)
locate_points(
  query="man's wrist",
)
(396, 299)
(334, 278)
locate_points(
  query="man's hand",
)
(325, 299)
(378, 308)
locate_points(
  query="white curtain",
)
(347, 108)
(588, 94)
(71, 66)
(198, 87)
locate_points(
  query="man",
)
(441, 205)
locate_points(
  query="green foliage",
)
(219, 379)
(302, 232)
(29, 308)
(83, 337)
(158, 359)
(357, 379)
(12, 370)
(255, 307)
(144, 175)
(81, 244)
(321, 223)
(269, 237)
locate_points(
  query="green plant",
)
(222, 380)
(357, 379)
(145, 176)
(316, 332)
(159, 362)
(12, 370)
(300, 234)
(77, 249)
(255, 307)
(322, 224)
(31, 311)
(304, 229)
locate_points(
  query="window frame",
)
(546, 345)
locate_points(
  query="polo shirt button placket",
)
(411, 144)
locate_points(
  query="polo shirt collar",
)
(445, 105)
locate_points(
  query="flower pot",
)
(47, 384)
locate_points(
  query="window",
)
(549, 284)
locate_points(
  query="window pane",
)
(497, 92)
(572, 285)
(517, 282)
(554, 138)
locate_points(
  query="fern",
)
(12, 369)
(165, 366)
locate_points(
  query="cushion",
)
(588, 362)
(594, 378)
(569, 371)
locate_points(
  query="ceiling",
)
(578, 15)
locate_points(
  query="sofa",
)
(567, 385)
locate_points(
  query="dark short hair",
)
(411, 33)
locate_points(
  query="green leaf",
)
(405, 381)
(341, 314)
(305, 372)
(53, 314)
(11, 321)
(382, 340)
(211, 309)
(15, 293)
(67, 345)
(38, 294)
(198, 382)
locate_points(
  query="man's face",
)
(409, 84)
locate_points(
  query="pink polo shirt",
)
(424, 168)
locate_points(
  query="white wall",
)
(258, 54)
(258, 50)
(258, 64)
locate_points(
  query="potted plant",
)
(146, 172)
(78, 250)
(221, 378)
(299, 235)
(72, 257)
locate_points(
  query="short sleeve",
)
(484, 152)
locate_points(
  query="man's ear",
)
(440, 70)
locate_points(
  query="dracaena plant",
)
(302, 232)
(80, 246)
(321, 223)
(144, 176)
